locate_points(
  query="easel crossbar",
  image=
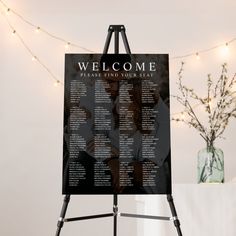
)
(88, 217)
(146, 216)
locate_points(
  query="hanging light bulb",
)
(37, 29)
(197, 56)
(67, 45)
(56, 83)
(182, 115)
(8, 10)
(14, 32)
(225, 49)
(227, 46)
(34, 58)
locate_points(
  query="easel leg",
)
(115, 211)
(62, 215)
(174, 214)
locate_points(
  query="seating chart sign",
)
(116, 124)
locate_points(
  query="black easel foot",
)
(60, 222)
(174, 214)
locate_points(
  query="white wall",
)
(32, 108)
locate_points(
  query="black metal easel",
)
(117, 29)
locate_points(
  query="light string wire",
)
(56, 80)
(68, 43)
(197, 53)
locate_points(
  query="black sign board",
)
(116, 124)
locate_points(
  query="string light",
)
(57, 83)
(37, 30)
(225, 49)
(34, 58)
(44, 30)
(67, 45)
(8, 11)
(197, 56)
(226, 45)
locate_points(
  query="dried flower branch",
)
(219, 104)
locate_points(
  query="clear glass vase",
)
(211, 165)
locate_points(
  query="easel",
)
(116, 29)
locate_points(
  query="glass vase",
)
(210, 165)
